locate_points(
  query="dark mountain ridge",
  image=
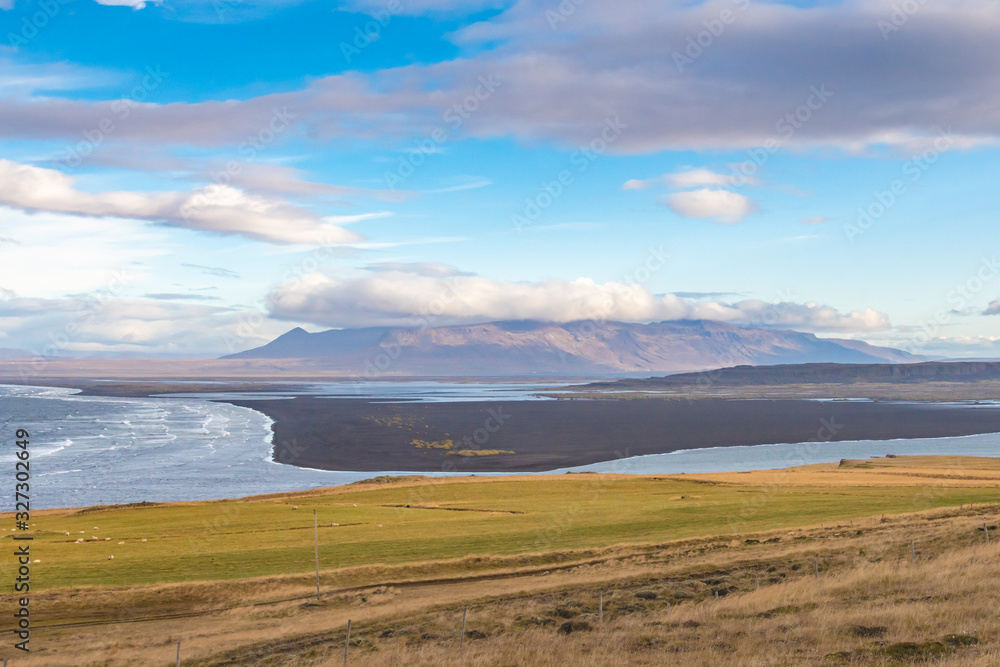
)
(575, 348)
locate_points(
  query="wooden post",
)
(178, 656)
(986, 531)
(816, 566)
(716, 596)
(600, 608)
(347, 640)
(316, 545)
(461, 641)
(756, 581)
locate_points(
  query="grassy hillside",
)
(426, 520)
(528, 555)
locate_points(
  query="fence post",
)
(816, 566)
(756, 581)
(178, 656)
(986, 531)
(461, 640)
(316, 546)
(600, 608)
(347, 640)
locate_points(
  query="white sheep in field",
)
(67, 534)
(79, 541)
(107, 539)
(36, 561)
(295, 507)
(121, 543)
(111, 557)
(94, 537)
(144, 539)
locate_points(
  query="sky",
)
(191, 178)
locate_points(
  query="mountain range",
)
(575, 348)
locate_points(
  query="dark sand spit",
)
(358, 435)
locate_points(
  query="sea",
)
(91, 450)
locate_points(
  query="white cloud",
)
(815, 220)
(619, 61)
(281, 180)
(217, 209)
(6, 4)
(692, 178)
(78, 254)
(409, 298)
(134, 4)
(97, 323)
(727, 207)
(993, 308)
(432, 269)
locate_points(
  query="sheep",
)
(79, 541)
(111, 557)
(107, 539)
(67, 534)
(334, 525)
(295, 507)
(121, 543)
(93, 537)
(36, 561)
(144, 539)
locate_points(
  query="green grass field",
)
(417, 522)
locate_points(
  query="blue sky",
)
(192, 178)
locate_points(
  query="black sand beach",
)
(358, 435)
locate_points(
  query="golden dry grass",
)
(409, 611)
(865, 579)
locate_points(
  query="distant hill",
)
(746, 376)
(576, 348)
(14, 355)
